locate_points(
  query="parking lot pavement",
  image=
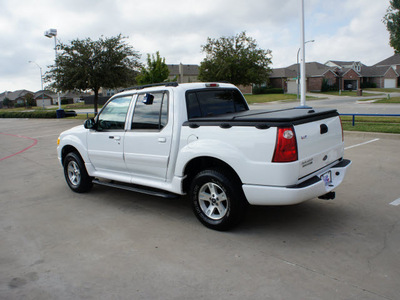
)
(112, 244)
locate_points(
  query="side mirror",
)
(89, 124)
(148, 99)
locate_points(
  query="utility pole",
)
(302, 62)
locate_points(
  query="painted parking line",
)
(23, 150)
(395, 202)
(361, 144)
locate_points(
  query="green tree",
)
(7, 102)
(235, 59)
(155, 72)
(29, 101)
(89, 65)
(392, 21)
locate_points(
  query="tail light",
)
(286, 145)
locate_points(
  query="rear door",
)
(148, 141)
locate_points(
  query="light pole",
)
(53, 33)
(298, 69)
(41, 80)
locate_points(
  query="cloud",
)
(348, 30)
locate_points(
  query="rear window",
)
(204, 103)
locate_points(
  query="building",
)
(343, 75)
(183, 73)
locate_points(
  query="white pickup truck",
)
(202, 139)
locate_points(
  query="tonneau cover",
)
(292, 116)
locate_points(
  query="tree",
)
(392, 21)
(7, 102)
(90, 65)
(235, 59)
(156, 71)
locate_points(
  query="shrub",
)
(368, 85)
(30, 114)
(265, 90)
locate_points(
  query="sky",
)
(346, 30)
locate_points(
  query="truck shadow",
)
(311, 217)
(316, 217)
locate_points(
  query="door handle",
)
(117, 138)
(162, 140)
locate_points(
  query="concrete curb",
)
(373, 135)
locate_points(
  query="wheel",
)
(218, 201)
(75, 173)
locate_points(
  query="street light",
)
(41, 80)
(53, 33)
(298, 68)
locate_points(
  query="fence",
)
(368, 115)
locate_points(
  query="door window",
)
(113, 116)
(151, 112)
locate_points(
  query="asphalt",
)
(113, 244)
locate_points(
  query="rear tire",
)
(217, 200)
(75, 173)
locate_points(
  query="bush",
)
(30, 114)
(368, 85)
(265, 90)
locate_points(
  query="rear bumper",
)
(312, 188)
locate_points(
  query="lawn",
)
(372, 124)
(383, 90)
(263, 98)
(391, 100)
(347, 93)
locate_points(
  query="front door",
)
(106, 143)
(148, 141)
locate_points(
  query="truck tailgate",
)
(319, 144)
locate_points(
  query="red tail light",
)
(286, 145)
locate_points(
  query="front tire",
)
(217, 200)
(75, 173)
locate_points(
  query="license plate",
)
(327, 177)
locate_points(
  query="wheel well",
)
(68, 149)
(202, 163)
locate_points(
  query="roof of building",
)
(188, 70)
(283, 73)
(375, 71)
(313, 69)
(390, 61)
(14, 95)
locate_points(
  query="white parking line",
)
(395, 202)
(371, 141)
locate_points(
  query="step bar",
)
(136, 188)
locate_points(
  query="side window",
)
(204, 103)
(150, 116)
(113, 116)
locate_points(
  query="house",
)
(286, 78)
(17, 98)
(355, 75)
(394, 63)
(189, 73)
(183, 73)
(45, 98)
(343, 75)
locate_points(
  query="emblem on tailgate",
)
(307, 162)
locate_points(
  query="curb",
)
(379, 135)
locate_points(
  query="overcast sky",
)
(342, 30)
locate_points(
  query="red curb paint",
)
(23, 150)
